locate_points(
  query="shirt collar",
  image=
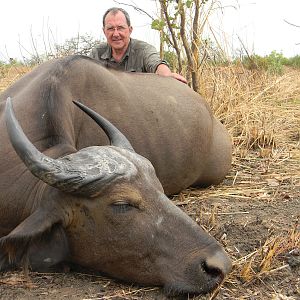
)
(107, 54)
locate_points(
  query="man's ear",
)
(130, 29)
(39, 240)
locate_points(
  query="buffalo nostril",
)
(212, 271)
(217, 264)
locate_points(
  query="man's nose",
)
(115, 32)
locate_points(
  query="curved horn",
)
(116, 138)
(83, 172)
(47, 169)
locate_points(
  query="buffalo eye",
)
(121, 206)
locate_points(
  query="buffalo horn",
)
(116, 138)
(64, 173)
(49, 170)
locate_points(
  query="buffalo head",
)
(104, 208)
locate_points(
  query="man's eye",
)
(121, 207)
(121, 28)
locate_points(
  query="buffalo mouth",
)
(196, 285)
(182, 291)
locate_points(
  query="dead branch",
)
(138, 9)
(195, 45)
(174, 39)
(291, 24)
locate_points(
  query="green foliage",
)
(254, 62)
(189, 3)
(273, 63)
(171, 58)
(294, 61)
(158, 24)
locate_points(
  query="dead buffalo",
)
(103, 207)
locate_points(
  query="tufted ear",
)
(39, 241)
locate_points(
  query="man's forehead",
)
(115, 17)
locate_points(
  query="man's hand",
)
(164, 70)
(178, 77)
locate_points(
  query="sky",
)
(259, 24)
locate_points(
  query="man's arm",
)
(153, 63)
(164, 70)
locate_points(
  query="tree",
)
(181, 25)
(81, 44)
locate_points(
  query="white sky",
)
(259, 24)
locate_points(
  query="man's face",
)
(117, 31)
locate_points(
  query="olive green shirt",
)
(139, 57)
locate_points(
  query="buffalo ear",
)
(39, 241)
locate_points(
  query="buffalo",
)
(67, 196)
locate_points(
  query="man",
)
(126, 53)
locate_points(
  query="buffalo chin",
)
(181, 289)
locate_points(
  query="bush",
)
(294, 61)
(254, 62)
(275, 63)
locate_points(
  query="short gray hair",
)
(114, 11)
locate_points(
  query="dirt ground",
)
(254, 213)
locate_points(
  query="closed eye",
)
(121, 207)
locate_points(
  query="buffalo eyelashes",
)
(122, 206)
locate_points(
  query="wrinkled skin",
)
(122, 224)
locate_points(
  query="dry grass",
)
(260, 110)
(9, 74)
(264, 261)
(262, 113)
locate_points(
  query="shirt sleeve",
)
(98, 51)
(152, 59)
